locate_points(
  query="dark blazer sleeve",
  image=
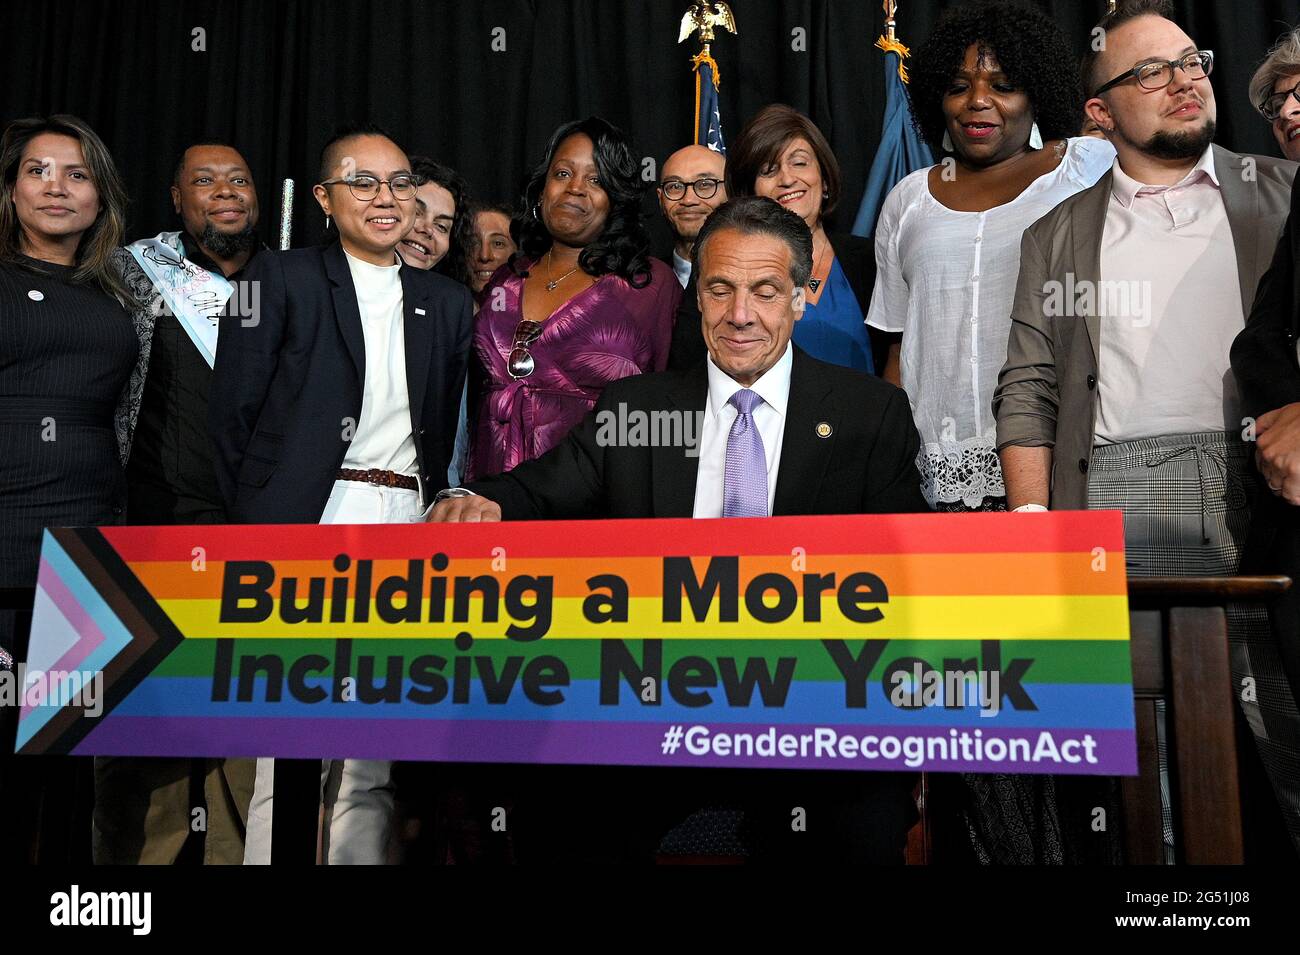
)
(567, 481)
(687, 348)
(893, 483)
(1264, 355)
(857, 257)
(247, 357)
(458, 375)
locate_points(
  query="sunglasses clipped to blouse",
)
(520, 364)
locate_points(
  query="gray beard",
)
(1180, 145)
(227, 245)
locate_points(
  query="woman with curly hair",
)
(440, 239)
(996, 87)
(581, 305)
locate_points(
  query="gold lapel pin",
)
(823, 429)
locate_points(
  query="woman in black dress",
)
(67, 345)
(67, 349)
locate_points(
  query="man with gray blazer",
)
(1117, 392)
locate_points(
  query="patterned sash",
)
(193, 294)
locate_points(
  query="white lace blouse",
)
(946, 280)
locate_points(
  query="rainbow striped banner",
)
(977, 643)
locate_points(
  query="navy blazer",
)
(287, 385)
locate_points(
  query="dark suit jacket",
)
(857, 258)
(1264, 363)
(170, 476)
(286, 386)
(866, 465)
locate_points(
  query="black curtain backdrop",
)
(277, 77)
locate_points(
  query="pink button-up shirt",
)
(1170, 306)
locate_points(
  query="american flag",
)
(708, 119)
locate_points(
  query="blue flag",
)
(708, 119)
(901, 152)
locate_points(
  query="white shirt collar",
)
(1125, 188)
(773, 386)
(683, 269)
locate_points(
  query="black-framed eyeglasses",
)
(1160, 73)
(365, 188)
(520, 364)
(675, 189)
(1271, 106)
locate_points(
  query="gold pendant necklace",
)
(551, 286)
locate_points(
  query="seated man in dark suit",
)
(782, 434)
(336, 402)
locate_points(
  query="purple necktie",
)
(744, 484)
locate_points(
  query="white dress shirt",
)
(682, 269)
(719, 415)
(1164, 365)
(382, 438)
(946, 280)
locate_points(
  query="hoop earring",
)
(535, 215)
(1035, 137)
(947, 142)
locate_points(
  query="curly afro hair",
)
(1028, 45)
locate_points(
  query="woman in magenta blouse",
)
(580, 305)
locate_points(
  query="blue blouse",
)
(834, 329)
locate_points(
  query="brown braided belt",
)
(382, 478)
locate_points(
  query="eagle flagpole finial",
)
(704, 15)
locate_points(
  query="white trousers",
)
(357, 794)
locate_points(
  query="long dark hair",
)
(93, 263)
(621, 249)
(453, 264)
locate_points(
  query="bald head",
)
(690, 162)
(686, 213)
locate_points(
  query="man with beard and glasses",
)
(1117, 391)
(181, 281)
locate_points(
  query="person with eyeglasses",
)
(1117, 392)
(334, 400)
(1275, 91)
(781, 154)
(690, 187)
(581, 304)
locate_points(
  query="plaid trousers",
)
(1186, 503)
